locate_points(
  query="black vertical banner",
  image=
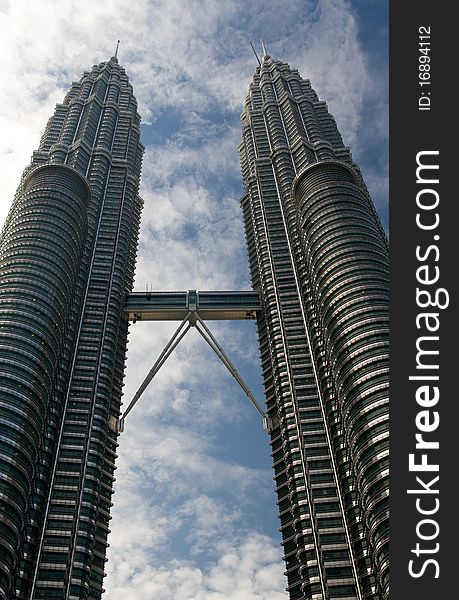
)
(424, 211)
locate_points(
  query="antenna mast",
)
(256, 55)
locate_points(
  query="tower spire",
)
(117, 46)
(263, 47)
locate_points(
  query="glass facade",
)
(67, 258)
(319, 259)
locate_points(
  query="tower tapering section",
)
(319, 257)
(67, 259)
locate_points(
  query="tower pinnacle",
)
(263, 47)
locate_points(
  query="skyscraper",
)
(318, 256)
(67, 256)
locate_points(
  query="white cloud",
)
(180, 463)
(246, 571)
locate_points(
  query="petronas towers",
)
(318, 258)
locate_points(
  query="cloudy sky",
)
(194, 515)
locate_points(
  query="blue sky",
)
(194, 513)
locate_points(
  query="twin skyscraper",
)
(319, 261)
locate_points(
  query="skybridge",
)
(192, 309)
(174, 306)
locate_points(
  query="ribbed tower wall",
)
(348, 277)
(40, 259)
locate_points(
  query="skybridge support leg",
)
(210, 339)
(170, 346)
(193, 320)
